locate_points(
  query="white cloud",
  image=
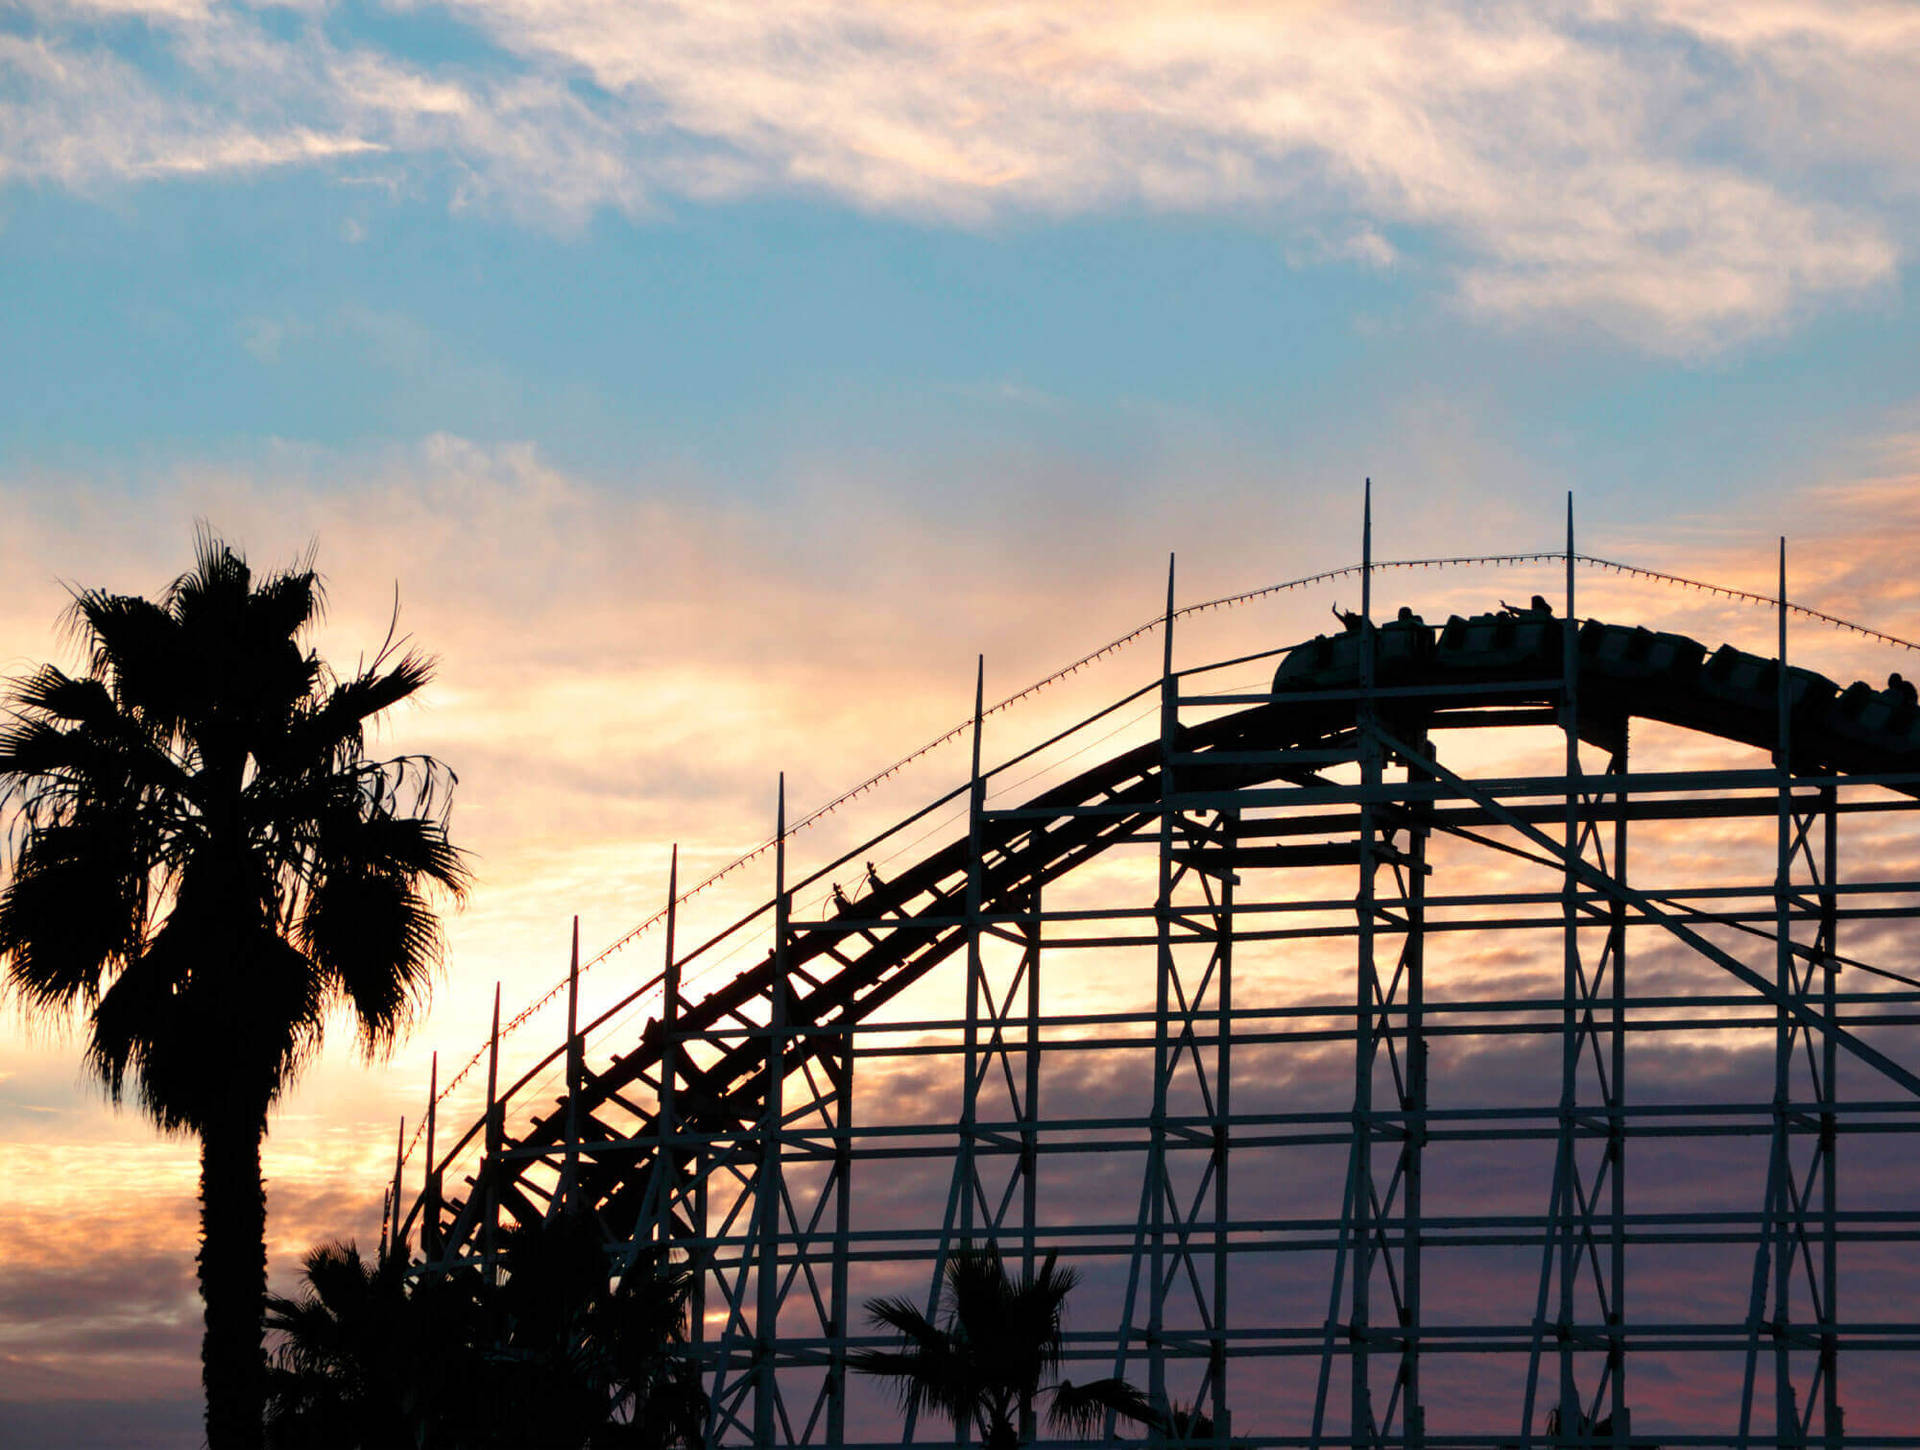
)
(89, 115)
(1571, 154)
(1683, 174)
(79, 113)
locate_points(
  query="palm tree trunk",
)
(233, 1279)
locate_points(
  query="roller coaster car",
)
(1751, 683)
(1632, 654)
(1332, 661)
(1879, 721)
(1513, 640)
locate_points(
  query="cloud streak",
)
(1678, 174)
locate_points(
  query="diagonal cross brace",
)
(1608, 884)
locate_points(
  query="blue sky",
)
(188, 319)
(678, 359)
(1650, 250)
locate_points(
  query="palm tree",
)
(378, 1356)
(333, 1371)
(205, 860)
(986, 1361)
(576, 1362)
(365, 1359)
(1190, 1425)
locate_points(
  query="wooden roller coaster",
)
(1316, 820)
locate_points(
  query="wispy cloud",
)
(211, 92)
(1681, 174)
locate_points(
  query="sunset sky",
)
(710, 383)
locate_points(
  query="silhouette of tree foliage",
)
(991, 1353)
(1189, 1425)
(365, 1359)
(205, 860)
(576, 1361)
(553, 1354)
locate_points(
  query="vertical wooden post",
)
(1163, 1050)
(1222, 1137)
(430, 1207)
(1833, 1426)
(394, 1245)
(492, 1169)
(1775, 1246)
(1568, 1167)
(1617, 1117)
(675, 1150)
(667, 1150)
(1786, 1414)
(570, 1176)
(842, 1241)
(767, 1192)
(1354, 1237)
(1029, 1130)
(970, 1055)
(1360, 1191)
(1413, 1413)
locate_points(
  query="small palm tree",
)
(205, 860)
(364, 1359)
(331, 1381)
(1190, 1425)
(385, 1357)
(637, 1330)
(990, 1356)
(576, 1362)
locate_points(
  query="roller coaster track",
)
(845, 970)
(724, 1063)
(1141, 631)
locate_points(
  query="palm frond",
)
(54, 695)
(72, 911)
(286, 603)
(904, 1318)
(1188, 1424)
(135, 648)
(208, 1030)
(374, 938)
(929, 1372)
(141, 1005)
(342, 715)
(106, 762)
(1082, 1410)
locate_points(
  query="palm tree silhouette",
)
(985, 1363)
(333, 1377)
(576, 1362)
(379, 1356)
(206, 860)
(365, 1359)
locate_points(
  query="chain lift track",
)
(727, 1131)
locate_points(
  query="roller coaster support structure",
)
(1308, 1043)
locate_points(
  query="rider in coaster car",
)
(1538, 609)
